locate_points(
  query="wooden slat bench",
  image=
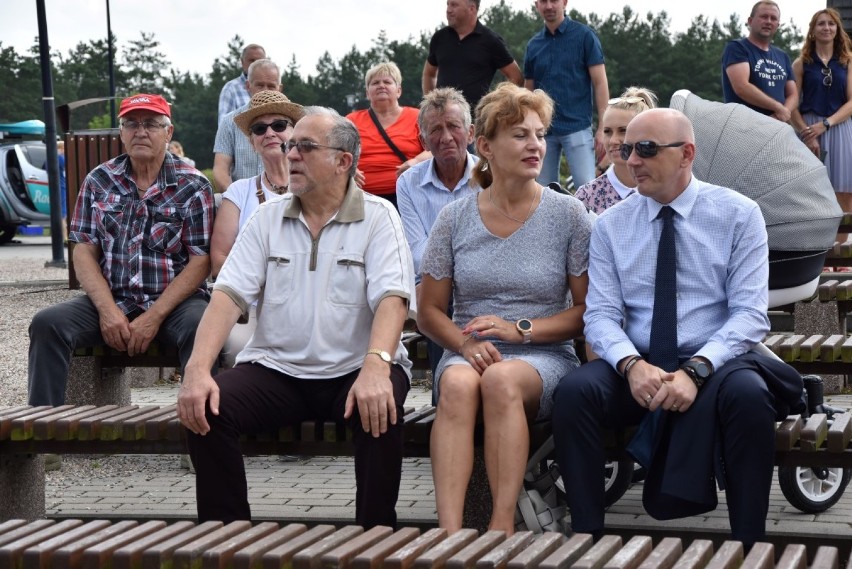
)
(27, 432)
(76, 543)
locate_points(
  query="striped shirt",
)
(234, 95)
(231, 141)
(146, 241)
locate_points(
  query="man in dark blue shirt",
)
(757, 74)
(566, 61)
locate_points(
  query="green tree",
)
(21, 75)
(145, 66)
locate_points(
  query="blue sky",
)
(193, 32)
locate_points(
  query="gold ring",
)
(477, 356)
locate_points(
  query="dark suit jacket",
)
(686, 461)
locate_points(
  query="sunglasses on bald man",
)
(645, 148)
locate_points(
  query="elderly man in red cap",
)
(141, 228)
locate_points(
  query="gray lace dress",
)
(524, 275)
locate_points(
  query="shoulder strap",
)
(261, 197)
(389, 142)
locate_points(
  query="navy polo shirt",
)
(559, 64)
(768, 70)
(468, 64)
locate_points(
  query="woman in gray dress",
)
(513, 259)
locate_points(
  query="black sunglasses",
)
(305, 146)
(827, 78)
(259, 128)
(645, 148)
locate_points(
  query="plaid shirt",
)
(146, 241)
(234, 95)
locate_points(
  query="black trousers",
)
(255, 399)
(595, 396)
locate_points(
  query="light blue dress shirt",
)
(420, 197)
(722, 275)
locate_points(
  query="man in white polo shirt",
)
(334, 282)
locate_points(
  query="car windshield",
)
(36, 154)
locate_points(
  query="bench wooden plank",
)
(788, 432)
(437, 556)
(826, 558)
(830, 349)
(632, 554)
(37, 554)
(311, 556)
(189, 554)
(794, 556)
(136, 428)
(827, 290)
(89, 428)
(843, 291)
(374, 557)
(761, 556)
(542, 548)
(14, 530)
(499, 557)
(66, 428)
(405, 557)
(11, 552)
(251, 555)
(840, 433)
(809, 350)
(222, 554)
(729, 556)
(341, 556)
(100, 554)
(473, 552)
(814, 432)
(789, 350)
(111, 429)
(7, 419)
(69, 555)
(282, 555)
(600, 553)
(44, 428)
(665, 555)
(22, 426)
(774, 343)
(149, 550)
(567, 554)
(846, 351)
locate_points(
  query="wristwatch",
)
(524, 326)
(826, 124)
(386, 357)
(698, 371)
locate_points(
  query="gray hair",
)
(343, 133)
(438, 100)
(263, 64)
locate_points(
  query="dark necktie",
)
(663, 350)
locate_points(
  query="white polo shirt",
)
(316, 298)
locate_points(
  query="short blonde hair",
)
(388, 68)
(504, 107)
(635, 99)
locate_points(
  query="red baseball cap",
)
(143, 102)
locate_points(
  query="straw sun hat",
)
(268, 103)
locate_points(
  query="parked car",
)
(24, 195)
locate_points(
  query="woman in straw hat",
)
(268, 122)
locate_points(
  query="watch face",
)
(524, 325)
(702, 370)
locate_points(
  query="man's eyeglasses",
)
(645, 148)
(305, 146)
(147, 126)
(259, 128)
(827, 78)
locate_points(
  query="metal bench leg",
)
(21, 487)
(91, 384)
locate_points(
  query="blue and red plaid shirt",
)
(146, 241)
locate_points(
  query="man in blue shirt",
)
(423, 190)
(714, 402)
(566, 61)
(235, 93)
(757, 74)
